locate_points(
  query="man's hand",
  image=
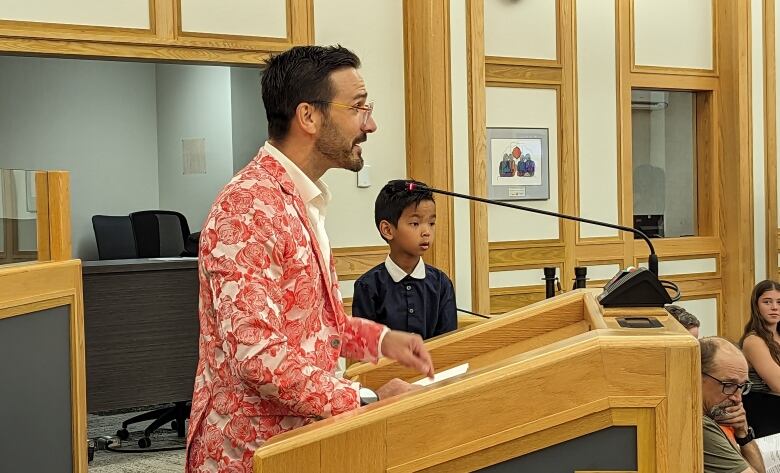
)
(735, 417)
(409, 350)
(395, 387)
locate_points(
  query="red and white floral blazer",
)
(272, 325)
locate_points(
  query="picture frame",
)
(518, 164)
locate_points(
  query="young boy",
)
(404, 293)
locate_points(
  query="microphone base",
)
(638, 288)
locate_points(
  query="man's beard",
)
(718, 411)
(337, 149)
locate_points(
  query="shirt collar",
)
(310, 190)
(396, 273)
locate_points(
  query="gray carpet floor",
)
(106, 461)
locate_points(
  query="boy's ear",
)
(386, 230)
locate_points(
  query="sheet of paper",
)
(770, 450)
(442, 375)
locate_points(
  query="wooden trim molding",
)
(569, 189)
(353, 262)
(673, 81)
(152, 52)
(163, 40)
(428, 114)
(499, 73)
(507, 256)
(770, 138)
(736, 175)
(475, 60)
(624, 43)
(59, 215)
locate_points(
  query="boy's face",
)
(415, 231)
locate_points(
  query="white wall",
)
(706, 310)
(525, 108)
(460, 153)
(95, 119)
(520, 29)
(759, 188)
(125, 13)
(193, 102)
(266, 18)
(673, 33)
(379, 45)
(597, 115)
(250, 125)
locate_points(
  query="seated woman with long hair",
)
(760, 343)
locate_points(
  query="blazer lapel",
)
(273, 168)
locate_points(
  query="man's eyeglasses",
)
(731, 388)
(366, 109)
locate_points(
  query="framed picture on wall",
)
(518, 164)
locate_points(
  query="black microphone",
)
(652, 261)
(621, 279)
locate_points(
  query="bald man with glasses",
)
(723, 382)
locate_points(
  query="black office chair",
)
(175, 414)
(159, 233)
(114, 237)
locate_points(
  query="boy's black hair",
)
(394, 198)
(298, 75)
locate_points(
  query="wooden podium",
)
(561, 385)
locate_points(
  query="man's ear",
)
(386, 230)
(308, 117)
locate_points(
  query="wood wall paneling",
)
(163, 40)
(568, 173)
(736, 186)
(475, 61)
(428, 114)
(770, 137)
(59, 215)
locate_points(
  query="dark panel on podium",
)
(35, 377)
(610, 449)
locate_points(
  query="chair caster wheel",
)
(123, 434)
(144, 442)
(174, 425)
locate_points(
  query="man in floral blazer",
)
(272, 325)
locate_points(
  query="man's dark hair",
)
(685, 318)
(394, 198)
(300, 74)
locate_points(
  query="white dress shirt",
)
(396, 273)
(316, 198)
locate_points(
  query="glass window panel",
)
(664, 162)
(18, 217)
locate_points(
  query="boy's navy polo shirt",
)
(422, 302)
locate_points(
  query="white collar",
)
(396, 273)
(308, 189)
